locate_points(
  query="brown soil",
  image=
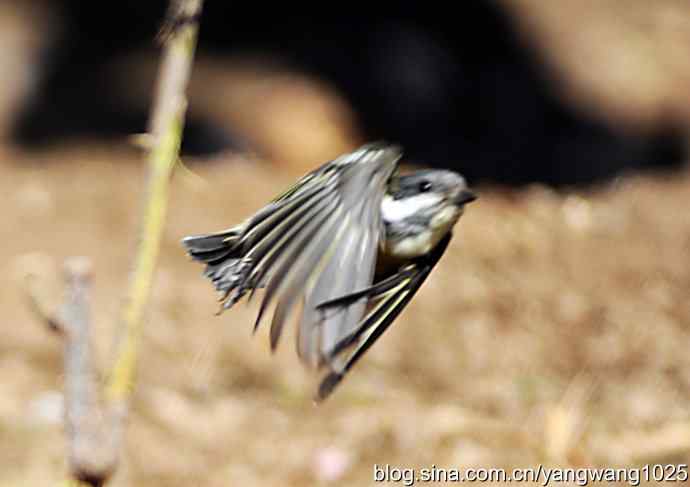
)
(555, 330)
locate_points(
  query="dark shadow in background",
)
(457, 90)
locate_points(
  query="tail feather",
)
(225, 266)
(211, 247)
(212, 256)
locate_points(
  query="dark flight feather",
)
(394, 292)
(315, 243)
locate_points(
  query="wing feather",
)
(281, 258)
(274, 246)
(293, 275)
(314, 243)
(325, 252)
(280, 211)
(352, 265)
(394, 294)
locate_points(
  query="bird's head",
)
(437, 196)
(419, 209)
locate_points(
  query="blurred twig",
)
(39, 306)
(165, 128)
(92, 441)
(94, 437)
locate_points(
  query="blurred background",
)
(556, 329)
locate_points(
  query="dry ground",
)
(556, 330)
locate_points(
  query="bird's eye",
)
(424, 186)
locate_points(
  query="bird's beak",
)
(465, 196)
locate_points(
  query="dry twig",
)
(165, 127)
(94, 434)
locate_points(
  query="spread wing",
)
(314, 243)
(385, 300)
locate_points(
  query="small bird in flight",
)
(352, 241)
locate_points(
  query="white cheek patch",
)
(394, 210)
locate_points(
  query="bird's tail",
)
(225, 266)
(212, 247)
